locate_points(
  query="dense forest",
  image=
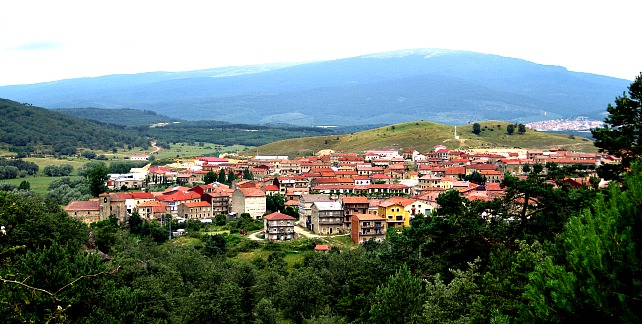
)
(230, 134)
(28, 129)
(123, 116)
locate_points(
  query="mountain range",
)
(451, 87)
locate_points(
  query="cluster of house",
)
(361, 195)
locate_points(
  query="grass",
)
(39, 184)
(423, 136)
(6, 153)
(186, 150)
(45, 161)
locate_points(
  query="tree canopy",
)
(621, 135)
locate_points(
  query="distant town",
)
(577, 124)
(332, 193)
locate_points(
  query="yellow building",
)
(395, 212)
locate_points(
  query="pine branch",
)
(55, 294)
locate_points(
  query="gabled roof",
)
(252, 192)
(178, 188)
(179, 196)
(120, 196)
(364, 217)
(88, 205)
(396, 201)
(155, 205)
(355, 200)
(278, 216)
(271, 188)
(193, 204)
(142, 195)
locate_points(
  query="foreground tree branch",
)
(55, 294)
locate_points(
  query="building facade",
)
(278, 227)
(327, 218)
(365, 227)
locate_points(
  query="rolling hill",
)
(452, 87)
(423, 136)
(26, 128)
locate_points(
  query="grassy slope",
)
(423, 136)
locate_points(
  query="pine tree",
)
(621, 135)
(598, 277)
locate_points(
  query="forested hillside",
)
(31, 129)
(123, 116)
(229, 133)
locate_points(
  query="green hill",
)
(423, 136)
(122, 116)
(25, 128)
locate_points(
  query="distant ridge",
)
(445, 86)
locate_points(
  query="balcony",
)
(372, 233)
(331, 221)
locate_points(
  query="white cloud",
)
(48, 40)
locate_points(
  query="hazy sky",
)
(52, 40)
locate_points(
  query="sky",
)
(44, 40)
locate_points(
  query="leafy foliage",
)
(229, 134)
(597, 276)
(29, 167)
(23, 130)
(476, 128)
(622, 132)
(63, 170)
(400, 298)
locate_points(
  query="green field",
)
(43, 162)
(38, 183)
(184, 150)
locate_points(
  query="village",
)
(360, 195)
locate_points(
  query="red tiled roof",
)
(142, 195)
(363, 217)
(178, 188)
(252, 192)
(278, 216)
(120, 196)
(355, 200)
(179, 196)
(396, 201)
(192, 204)
(88, 205)
(292, 203)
